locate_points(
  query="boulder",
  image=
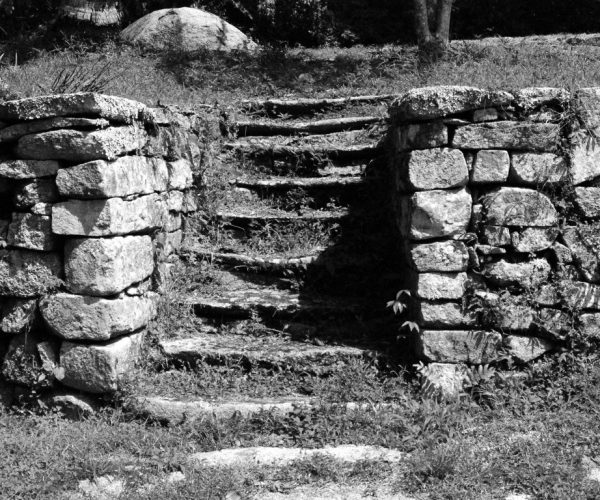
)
(25, 273)
(106, 266)
(77, 145)
(420, 136)
(98, 368)
(428, 169)
(537, 169)
(526, 274)
(508, 135)
(460, 346)
(28, 169)
(31, 232)
(441, 256)
(185, 30)
(490, 166)
(128, 175)
(441, 101)
(77, 317)
(111, 217)
(508, 206)
(432, 214)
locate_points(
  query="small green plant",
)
(399, 305)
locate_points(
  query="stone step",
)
(271, 352)
(308, 106)
(272, 183)
(247, 216)
(341, 171)
(282, 457)
(262, 264)
(246, 128)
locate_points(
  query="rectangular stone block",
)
(15, 132)
(441, 286)
(490, 167)
(444, 315)
(180, 175)
(77, 145)
(77, 317)
(525, 274)
(25, 273)
(126, 176)
(460, 346)
(420, 136)
(98, 368)
(106, 266)
(521, 136)
(441, 256)
(31, 232)
(111, 217)
(537, 169)
(585, 159)
(428, 169)
(433, 214)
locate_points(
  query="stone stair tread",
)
(269, 350)
(264, 213)
(270, 127)
(341, 171)
(296, 182)
(243, 260)
(281, 457)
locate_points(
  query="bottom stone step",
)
(281, 457)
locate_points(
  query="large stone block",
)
(24, 273)
(460, 346)
(508, 135)
(510, 206)
(432, 169)
(15, 132)
(444, 315)
(77, 317)
(526, 274)
(441, 101)
(587, 200)
(525, 349)
(113, 108)
(537, 169)
(436, 286)
(28, 169)
(106, 266)
(490, 166)
(98, 368)
(31, 232)
(420, 136)
(111, 217)
(29, 193)
(128, 175)
(585, 160)
(441, 256)
(76, 145)
(432, 214)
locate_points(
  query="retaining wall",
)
(498, 207)
(94, 191)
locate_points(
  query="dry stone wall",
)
(497, 202)
(94, 191)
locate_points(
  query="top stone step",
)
(117, 109)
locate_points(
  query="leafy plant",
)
(399, 305)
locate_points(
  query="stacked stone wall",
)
(498, 207)
(94, 192)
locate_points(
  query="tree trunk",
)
(432, 26)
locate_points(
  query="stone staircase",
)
(293, 260)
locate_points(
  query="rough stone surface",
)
(31, 232)
(442, 256)
(508, 135)
(190, 29)
(444, 315)
(583, 249)
(444, 380)
(113, 108)
(28, 169)
(585, 161)
(587, 105)
(101, 488)
(485, 115)
(441, 101)
(76, 145)
(432, 169)
(111, 217)
(30, 193)
(438, 213)
(180, 174)
(15, 132)
(514, 317)
(460, 346)
(533, 239)
(24, 273)
(435, 286)
(17, 315)
(581, 295)
(420, 136)
(77, 317)
(167, 244)
(73, 406)
(490, 166)
(590, 325)
(106, 266)
(531, 98)
(497, 235)
(508, 206)
(587, 200)
(537, 169)
(97, 368)
(526, 349)
(554, 323)
(525, 274)
(128, 175)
